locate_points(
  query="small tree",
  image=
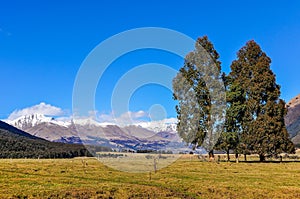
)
(229, 138)
(228, 141)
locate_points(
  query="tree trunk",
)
(245, 157)
(228, 156)
(237, 157)
(211, 155)
(262, 157)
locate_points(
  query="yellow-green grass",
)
(136, 162)
(186, 178)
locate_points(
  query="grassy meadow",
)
(185, 178)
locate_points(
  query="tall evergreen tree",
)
(258, 111)
(194, 86)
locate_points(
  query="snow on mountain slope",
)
(28, 121)
(141, 135)
(166, 125)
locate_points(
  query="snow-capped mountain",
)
(168, 125)
(29, 121)
(137, 135)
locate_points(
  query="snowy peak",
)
(29, 121)
(152, 135)
(166, 125)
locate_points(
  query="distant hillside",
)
(292, 119)
(15, 143)
(152, 135)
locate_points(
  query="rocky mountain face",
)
(292, 119)
(143, 135)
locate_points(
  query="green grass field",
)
(186, 178)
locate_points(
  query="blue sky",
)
(43, 43)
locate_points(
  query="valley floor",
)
(186, 178)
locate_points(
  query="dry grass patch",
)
(186, 178)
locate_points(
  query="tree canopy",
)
(254, 111)
(258, 112)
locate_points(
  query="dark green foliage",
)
(229, 138)
(256, 113)
(228, 141)
(15, 143)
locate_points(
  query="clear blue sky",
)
(43, 43)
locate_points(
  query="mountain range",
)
(15, 143)
(154, 135)
(157, 135)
